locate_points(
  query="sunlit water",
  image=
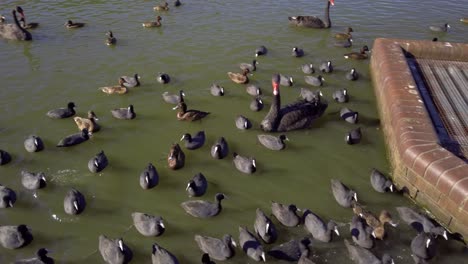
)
(198, 43)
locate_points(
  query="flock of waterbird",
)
(366, 228)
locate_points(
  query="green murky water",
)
(198, 43)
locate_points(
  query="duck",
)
(173, 98)
(291, 250)
(5, 157)
(443, 28)
(189, 115)
(420, 222)
(349, 115)
(156, 23)
(326, 67)
(423, 247)
(88, 123)
(341, 96)
(197, 185)
(33, 143)
(148, 225)
(251, 246)
(298, 115)
(124, 113)
(98, 163)
(364, 256)
(261, 51)
(195, 142)
(380, 183)
(240, 78)
(361, 233)
(264, 227)
(74, 202)
(243, 122)
(256, 104)
(110, 40)
(14, 31)
(318, 228)
(345, 196)
(377, 224)
(163, 78)
(131, 81)
(160, 255)
(344, 44)
(286, 80)
(204, 209)
(162, 7)
(7, 197)
(74, 139)
(219, 249)
(311, 96)
(244, 164)
(71, 24)
(286, 214)
(253, 90)
(176, 157)
(220, 148)
(345, 35)
(297, 52)
(40, 258)
(361, 55)
(313, 21)
(353, 136)
(33, 181)
(464, 19)
(149, 177)
(217, 90)
(251, 67)
(272, 142)
(308, 68)
(114, 250)
(314, 81)
(15, 236)
(62, 112)
(352, 75)
(116, 89)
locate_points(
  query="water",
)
(198, 43)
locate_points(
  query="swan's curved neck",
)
(327, 15)
(27, 35)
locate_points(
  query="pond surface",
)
(197, 45)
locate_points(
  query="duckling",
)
(361, 55)
(344, 35)
(88, 123)
(116, 89)
(176, 157)
(111, 40)
(163, 7)
(239, 77)
(156, 23)
(189, 115)
(71, 24)
(376, 223)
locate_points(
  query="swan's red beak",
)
(275, 83)
(332, 2)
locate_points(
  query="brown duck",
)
(88, 123)
(345, 35)
(176, 157)
(189, 115)
(239, 77)
(156, 23)
(116, 89)
(376, 223)
(162, 7)
(361, 55)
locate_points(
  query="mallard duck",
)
(176, 157)
(88, 123)
(346, 35)
(111, 40)
(156, 23)
(361, 55)
(71, 24)
(162, 7)
(116, 89)
(189, 115)
(239, 77)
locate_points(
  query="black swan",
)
(14, 31)
(313, 21)
(294, 116)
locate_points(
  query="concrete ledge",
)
(435, 177)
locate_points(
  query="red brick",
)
(422, 136)
(438, 167)
(450, 177)
(410, 155)
(459, 191)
